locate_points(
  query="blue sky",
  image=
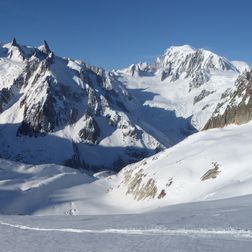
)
(116, 33)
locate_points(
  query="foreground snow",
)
(221, 225)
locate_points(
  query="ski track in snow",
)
(235, 233)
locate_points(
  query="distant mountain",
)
(184, 62)
(186, 84)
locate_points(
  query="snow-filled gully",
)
(235, 233)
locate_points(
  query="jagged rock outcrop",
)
(90, 131)
(5, 96)
(46, 48)
(15, 51)
(140, 69)
(204, 93)
(14, 42)
(57, 110)
(235, 106)
(137, 187)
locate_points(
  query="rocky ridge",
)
(235, 106)
(55, 97)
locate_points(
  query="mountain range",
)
(138, 138)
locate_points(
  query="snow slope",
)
(207, 226)
(53, 190)
(241, 66)
(208, 165)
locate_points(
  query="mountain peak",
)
(183, 49)
(14, 42)
(15, 51)
(185, 61)
(45, 48)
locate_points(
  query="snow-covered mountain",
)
(63, 111)
(182, 62)
(185, 81)
(57, 110)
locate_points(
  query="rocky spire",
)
(14, 42)
(47, 49)
(15, 50)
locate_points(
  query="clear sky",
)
(117, 33)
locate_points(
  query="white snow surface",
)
(9, 70)
(221, 226)
(241, 65)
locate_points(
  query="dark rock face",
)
(46, 115)
(91, 131)
(5, 96)
(199, 78)
(237, 105)
(47, 49)
(165, 74)
(204, 93)
(14, 42)
(26, 129)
